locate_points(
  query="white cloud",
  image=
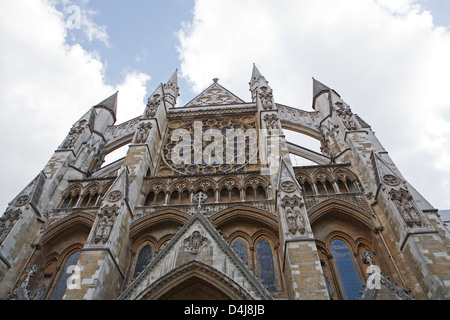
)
(78, 16)
(45, 86)
(385, 58)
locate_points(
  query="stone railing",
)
(209, 208)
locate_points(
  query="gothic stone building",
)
(207, 204)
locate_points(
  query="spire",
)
(171, 90)
(109, 103)
(318, 88)
(257, 79)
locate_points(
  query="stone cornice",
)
(211, 110)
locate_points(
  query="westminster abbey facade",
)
(208, 204)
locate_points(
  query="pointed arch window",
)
(150, 199)
(241, 249)
(342, 186)
(260, 193)
(144, 258)
(71, 199)
(351, 186)
(66, 272)
(265, 265)
(321, 187)
(348, 273)
(308, 189)
(160, 198)
(250, 194)
(235, 194)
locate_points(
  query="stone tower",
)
(207, 204)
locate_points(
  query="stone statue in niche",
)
(7, 222)
(266, 98)
(107, 218)
(195, 242)
(403, 202)
(74, 134)
(294, 217)
(152, 106)
(143, 132)
(291, 221)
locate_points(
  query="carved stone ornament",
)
(288, 186)
(23, 292)
(367, 257)
(152, 106)
(346, 116)
(22, 200)
(404, 203)
(143, 133)
(266, 98)
(74, 134)
(7, 222)
(115, 196)
(390, 180)
(195, 243)
(271, 124)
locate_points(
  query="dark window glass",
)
(265, 265)
(241, 250)
(66, 202)
(144, 258)
(342, 186)
(308, 189)
(60, 288)
(149, 199)
(321, 188)
(260, 193)
(351, 186)
(347, 270)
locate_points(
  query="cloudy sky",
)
(388, 59)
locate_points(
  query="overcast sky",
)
(388, 59)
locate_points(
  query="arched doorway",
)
(195, 281)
